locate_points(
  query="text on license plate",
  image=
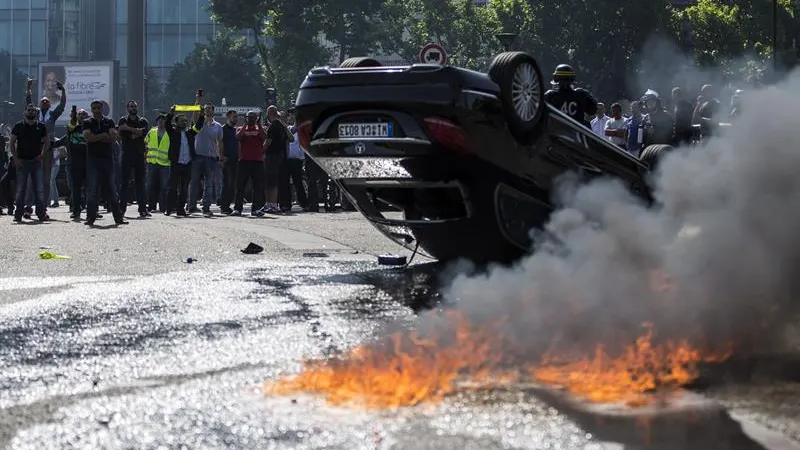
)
(364, 130)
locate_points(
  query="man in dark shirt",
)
(29, 142)
(230, 148)
(277, 138)
(705, 110)
(76, 165)
(48, 116)
(132, 130)
(100, 133)
(682, 114)
(576, 103)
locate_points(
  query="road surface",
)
(126, 345)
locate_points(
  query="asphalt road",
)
(128, 346)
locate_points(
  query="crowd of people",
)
(172, 167)
(647, 121)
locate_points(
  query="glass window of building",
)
(188, 12)
(39, 37)
(122, 11)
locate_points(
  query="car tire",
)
(521, 92)
(653, 154)
(361, 61)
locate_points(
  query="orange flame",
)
(412, 370)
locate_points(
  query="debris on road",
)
(190, 260)
(252, 249)
(51, 255)
(392, 260)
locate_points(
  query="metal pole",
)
(775, 36)
(135, 63)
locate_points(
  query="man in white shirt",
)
(600, 119)
(616, 126)
(292, 174)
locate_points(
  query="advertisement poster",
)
(83, 81)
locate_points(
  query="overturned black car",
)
(452, 162)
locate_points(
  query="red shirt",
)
(251, 147)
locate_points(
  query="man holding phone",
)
(207, 155)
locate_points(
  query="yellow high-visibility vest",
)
(157, 151)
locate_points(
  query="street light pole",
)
(506, 39)
(775, 36)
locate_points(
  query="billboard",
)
(84, 82)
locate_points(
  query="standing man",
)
(100, 133)
(577, 103)
(207, 148)
(76, 149)
(598, 124)
(158, 165)
(230, 148)
(251, 164)
(29, 143)
(132, 129)
(275, 144)
(181, 155)
(48, 116)
(292, 174)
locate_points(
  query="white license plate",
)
(365, 130)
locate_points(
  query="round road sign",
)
(433, 54)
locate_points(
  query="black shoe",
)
(167, 213)
(89, 222)
(121, 222)
(226, 211)
(18, 219)
(181, 213)
(144, 214)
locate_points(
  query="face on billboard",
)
(83, 82)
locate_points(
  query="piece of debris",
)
(392, 260)
(315, 255)
(190, 260)
(252, 249)
(51, 255)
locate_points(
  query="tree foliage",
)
(605, 42)
(225, 67)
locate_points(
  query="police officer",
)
(658, 124)
(575, 102)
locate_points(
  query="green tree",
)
(225, 67)
(464, 29)
(736, 36)
(355, 27)
(286, 37)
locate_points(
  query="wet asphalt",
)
(176, 359)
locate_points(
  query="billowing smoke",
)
(725, 229)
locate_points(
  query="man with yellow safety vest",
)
(157, 165)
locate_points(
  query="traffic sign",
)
(433, 54)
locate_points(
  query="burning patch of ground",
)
(409, 368)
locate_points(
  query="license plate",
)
(365, 130)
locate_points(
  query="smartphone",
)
(199, 92)
(74, 109)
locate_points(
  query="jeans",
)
(53, 186)
(77, 170)
(203, 167)
(30, 169)
(252, 171)
(157, 186)
(228, 183)
(133, 162)
(292, 174)
(100, 179)
(47, 163)
(179, 175)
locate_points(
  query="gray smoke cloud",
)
(726, 228)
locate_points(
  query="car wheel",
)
(361, 61)
(652, 154)
(521, 92)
